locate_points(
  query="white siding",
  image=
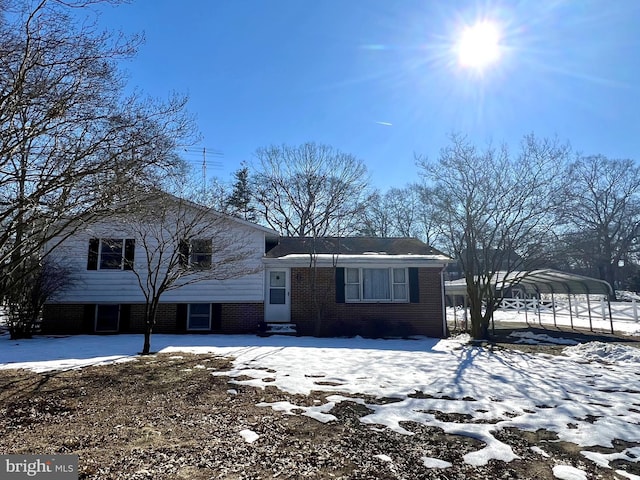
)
(121, 286)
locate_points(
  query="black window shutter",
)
(125, 318)
(92, 258)
(89, 318)
(414, 285)
(129, 253)
(183, 253)
(216, 316)
(181, 317)
(340, 285)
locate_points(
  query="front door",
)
(277, 306)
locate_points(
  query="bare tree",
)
(183, 243)
(429, 227)
(494, 209)
(70, 142)
(402, 212)
(403, 205)
(40, 280)
(602, 214)
(310, 191)
(376, 219)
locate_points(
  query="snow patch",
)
(604, 352)
(567, 472)
(384, 458)
(435, 463)
(538, 338)
(628, 475)
(539, 451)
(317, 412)
(249, 435)
(604, 459)
(452, 343)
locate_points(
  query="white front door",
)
(277, 305)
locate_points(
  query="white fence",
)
(578, 306)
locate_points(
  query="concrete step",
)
(280, 329)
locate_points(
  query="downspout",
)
(444, 305)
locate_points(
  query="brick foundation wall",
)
(62, 319)
(366, 319)
(79, 318)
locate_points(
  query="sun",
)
(479, 45)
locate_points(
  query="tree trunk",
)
(150, 320)
(479, 325)
(146, 349)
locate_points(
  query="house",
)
(328, 286)
(356, 286)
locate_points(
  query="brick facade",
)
(308, 303)
(366, 319)
(80, 318)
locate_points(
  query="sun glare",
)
(479, 45)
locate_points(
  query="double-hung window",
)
(200, 254)
(111, 254)
(199, 316)
(376, 285)
(196, 253)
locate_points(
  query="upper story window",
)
(111, 254)
(376, 285)
(197, 252)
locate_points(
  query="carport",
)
(546, 281)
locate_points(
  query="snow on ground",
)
(538, 338)
(590, 396)
(567, 472)
(625, 326)
(249, 435)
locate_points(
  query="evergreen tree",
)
(240, 202)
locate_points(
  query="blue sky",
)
(379, 79)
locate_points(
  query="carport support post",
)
(589, 310)
(610, 315)
(553, 307)
(526, 317)
(570, 310)
(539, 305)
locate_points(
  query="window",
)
(376, 285)
(196, 252)
(352, 284)
(107, 318)
(200, 253)
(111, 254)
(199, 316)
(277, 288)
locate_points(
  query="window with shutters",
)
(107, 318)
(111, 254)
(199, 317)
(200, 254)
(376, 285)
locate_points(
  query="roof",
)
(354, 250)
(540, 281)
(352, 246)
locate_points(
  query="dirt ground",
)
(167, 417)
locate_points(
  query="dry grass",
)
(167, 417)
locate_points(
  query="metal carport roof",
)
(544, 281)
(540, 281)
